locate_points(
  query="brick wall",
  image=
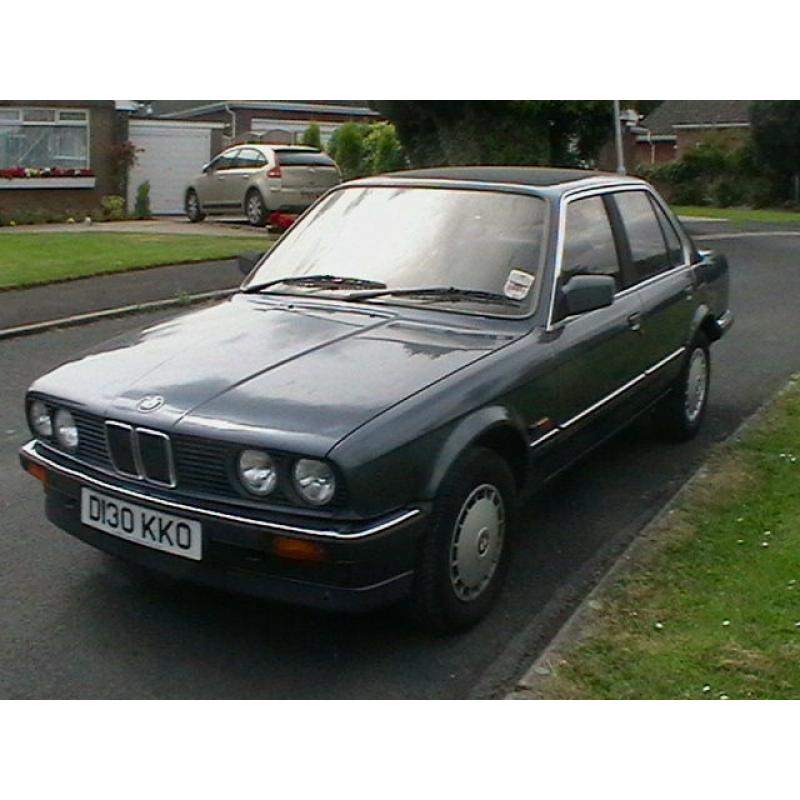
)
(105, 127)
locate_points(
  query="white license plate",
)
(181, 537)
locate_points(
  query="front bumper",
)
(366, 564)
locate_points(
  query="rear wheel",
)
(464, 559)
(680, 414)
(194, 210)
(255, 209)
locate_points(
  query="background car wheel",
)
(680, 414)
(193, 208)
(255, 209)
(464, 558)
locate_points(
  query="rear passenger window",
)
(589, 247)
(250, 158)
(648, 250)
(674, 246)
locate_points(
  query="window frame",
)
(690, 254)
(58, 121)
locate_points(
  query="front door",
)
(599, 354)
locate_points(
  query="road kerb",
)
(93, 316)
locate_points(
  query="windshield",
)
(411, 237)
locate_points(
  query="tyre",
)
(194, 211)
(464, 559)
(681, 412)
(255, 209)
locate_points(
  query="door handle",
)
(635, 322)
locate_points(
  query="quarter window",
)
(589, 247)
(39, 138)
(674, 246)
(646, 240)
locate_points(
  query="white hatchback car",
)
(260, 179)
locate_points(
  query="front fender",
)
(482, 423)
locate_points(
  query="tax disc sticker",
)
(518, 284)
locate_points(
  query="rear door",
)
(237, 178)
(661, 279)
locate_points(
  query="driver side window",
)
(589, 246)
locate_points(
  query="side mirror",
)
(584, 293)
(247, 261)
(206, 167)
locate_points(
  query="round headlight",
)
(315, 481)
(66, 430)
(40, 418)
(257, 472)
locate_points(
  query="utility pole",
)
(618, 139)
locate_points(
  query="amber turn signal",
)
(298, 549)
(37, 470)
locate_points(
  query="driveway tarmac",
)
(76, 623)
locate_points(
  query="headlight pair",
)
(313, 480)
(57, 424)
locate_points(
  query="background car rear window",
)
(648, 249)
(589, 247)
(298, 158)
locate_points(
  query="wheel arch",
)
(496, 428)
(706, 323)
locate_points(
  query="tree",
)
(558, 132)
(346, 147)
(382, 149)
(312, 137)
(776, 140)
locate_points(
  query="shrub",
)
(112, 207)
(142, 207)
(360, 149)
(312, 137)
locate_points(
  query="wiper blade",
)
(450, 293)
(318, 281)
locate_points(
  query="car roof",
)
(262, 146)
(524, 176)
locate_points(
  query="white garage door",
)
(169, 155)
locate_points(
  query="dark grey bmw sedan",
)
(354, 426)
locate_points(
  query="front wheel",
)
(464, 559)
(194, 210)
(681, 413)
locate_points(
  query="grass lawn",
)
(739, 214)
(29, 258)
(713, 611)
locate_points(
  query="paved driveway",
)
(78, 624)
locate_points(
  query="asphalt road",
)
(76, 623)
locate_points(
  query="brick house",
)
(269, 121)
(57, 155)
(678, 125)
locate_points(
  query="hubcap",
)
(191, 204)
(477, 542)
(696, 384)
(254, 209)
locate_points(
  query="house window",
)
(44, 137)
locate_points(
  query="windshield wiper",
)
(318, 281)
(449, 293)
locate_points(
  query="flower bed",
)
(46, 172)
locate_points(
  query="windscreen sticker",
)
(518, 284)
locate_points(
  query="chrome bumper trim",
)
(29, 452)
(725, 322)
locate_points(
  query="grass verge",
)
(739, 214)
(711, 608)
(30, 258)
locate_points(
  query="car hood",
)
(293, 375)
